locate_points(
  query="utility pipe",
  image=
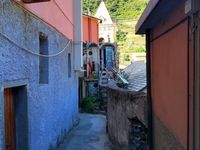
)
(149, 96)
(196, 46)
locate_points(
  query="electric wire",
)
(33, 53)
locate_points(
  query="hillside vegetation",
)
(118, 8)
(125, 13)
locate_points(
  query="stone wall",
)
(123, 108)
(52, 108)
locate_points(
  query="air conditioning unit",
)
(34, 1)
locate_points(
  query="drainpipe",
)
(149, 96)
(196, 47)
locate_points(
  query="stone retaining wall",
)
(124, 107)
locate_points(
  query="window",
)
(43, 61)
(69, 65)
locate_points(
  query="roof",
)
(137, 75)
(155, 12)
(103, 14)
(84, 15)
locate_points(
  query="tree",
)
(91, 4)
(121, 36)
(117, 8)
(127, 58)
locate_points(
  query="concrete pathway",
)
(90, 134)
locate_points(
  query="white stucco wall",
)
(107, 27)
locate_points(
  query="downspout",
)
(149, 96)
(196, 47)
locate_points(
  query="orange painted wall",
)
(90, 29)
(51, 14)
(85, 29)
(170, 76)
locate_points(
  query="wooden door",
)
(9, 120)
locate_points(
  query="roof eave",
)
(84, 15)
(155, 12)
(150, 7)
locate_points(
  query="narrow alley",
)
(90, 134)
(99, 74)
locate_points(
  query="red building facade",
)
(56, 13)
(171, 74)
(90, 29)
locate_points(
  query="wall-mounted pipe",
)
(196, 47)
(149, 96)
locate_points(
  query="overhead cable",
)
(30, 51)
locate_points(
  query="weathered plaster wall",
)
(170, 76)
(164, 139)
(57, 13)
(53, 107)
(124, 106)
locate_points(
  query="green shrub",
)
(89, 104)
(120, 83)
(140, 50)
(95, 75)
(127, 58)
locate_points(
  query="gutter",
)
(149, 96)
(84, 15)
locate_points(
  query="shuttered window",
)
(69, 66)
(43, 61)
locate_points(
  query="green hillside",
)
(118, 8)
(125, 13)
(131, 42)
